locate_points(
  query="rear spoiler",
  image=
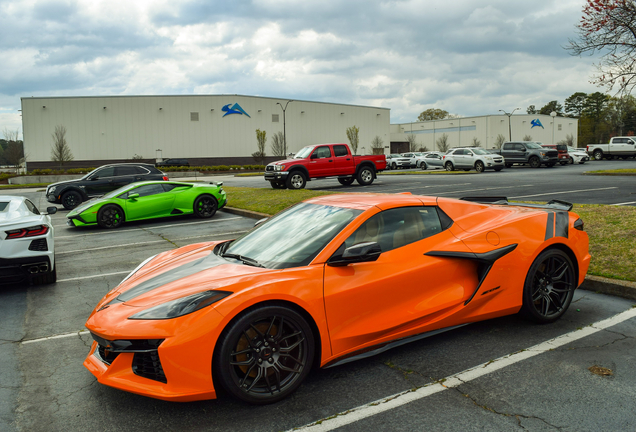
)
(499, 200)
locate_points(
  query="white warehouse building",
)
(483, 130)
(206, 129)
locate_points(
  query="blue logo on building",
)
(536, 122)
(236, 109)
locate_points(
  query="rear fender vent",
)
(39, 245)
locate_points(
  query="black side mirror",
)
(93, 178)
(314, 156)
(361, 252)
(51, 210)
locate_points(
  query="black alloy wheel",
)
(535, 162)
(598, 155)
(549, 287)
(264, 354)
(423, 165)
(346, 181)
(277, 185)
(296, 180)
(110, 216)
(205, 206)
(71, 199)
(479, 166)
(365, 176)
(449, 166)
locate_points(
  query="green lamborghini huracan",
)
(147, 200)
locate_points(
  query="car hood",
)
(62, 183)
(285, 161)
(168, 277)
(86, 205)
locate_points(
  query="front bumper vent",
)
(146, 362)
(148, 365)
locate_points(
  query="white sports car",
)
(26, 242)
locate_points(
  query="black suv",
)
(173, 163)
(101, 180)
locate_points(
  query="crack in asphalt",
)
(518, 417)
(161, 236)
(406, 373)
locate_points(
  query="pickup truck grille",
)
(269, 168)
(552, 153)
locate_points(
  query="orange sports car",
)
(328, 281)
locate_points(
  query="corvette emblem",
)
(236, 109)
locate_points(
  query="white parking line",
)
(146, 229)
(397, 400)
(564, 192)
(625, 203)
(66, 335)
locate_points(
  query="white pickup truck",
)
(622, 147)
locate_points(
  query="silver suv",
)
(469, 158)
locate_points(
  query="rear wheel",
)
(346, 181)
(598, 155)
(534, 162)
(449, 166)
(205, 206)
(296, 180)
(71, 199)
(264, 354)
(110, 216)
(479, 166)
(423, 165)
(549, 287)
(365, 176)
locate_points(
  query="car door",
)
(321, 162)
(404, 291)
(433, 160)
(124, 175)
(343, 160)
(511, 152)
(152, 201)
(100, 182)
(459, 158)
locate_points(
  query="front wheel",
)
(110, 216)
(205, 206)
(598, 155)
(71, 199)
(423, 165)
(296, 180)
(549, 287)
(345, 181)
(365, 176)
(571, 161)
(264, 354)
(534, 162)
(479, 166)
(393, 165)
(449, 166)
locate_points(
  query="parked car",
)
(432, 160)
(330, 280)
(71, 193)
(528, 152)
(578, 155)
(469, 158)
(391, 160)
(622, 147)
(415, 159)
(27, 248)
(148, 200)
(173, 163)
(322, 161)
(564, 157)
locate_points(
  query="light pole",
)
(284, 129)
(553, 115)
(509, 126)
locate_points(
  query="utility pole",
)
(284, 128)
(509, 126)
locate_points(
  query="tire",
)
(534, 162)
(110, 216)
(365, 176)
(449, 166)
(423, 165)
(479, 166)
(549, 287)
(498, 169)
(296, 180)
(46, 278)
(71, 199)
(571, 161)
(277, 185)
(247, 361)
(598, 155)
(346, 181)
(508, 165)
(466, 169)
(205, 206)
(393, 166)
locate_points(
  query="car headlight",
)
(279, 167)
(137, 269)
(182, 306)
(51, 189)
(543, 153)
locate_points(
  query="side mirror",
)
(314, 156)
(133, 196)
(361, 252)
(94, 178)
(51, 210)
(260, 221)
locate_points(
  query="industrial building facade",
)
(205, 129)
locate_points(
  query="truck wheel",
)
(598, 154)
(449, 166)
(365, 176)
(296, 180)
(346, 181)
(534, 162)
(393, 166)
(479, 166)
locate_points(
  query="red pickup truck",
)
(321, 161)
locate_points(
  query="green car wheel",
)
(205, 206)
(110, 216)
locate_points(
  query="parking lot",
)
(44, 387)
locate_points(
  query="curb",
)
(615, 287)
(598, 284)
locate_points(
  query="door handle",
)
(348, 158)
(330, 160)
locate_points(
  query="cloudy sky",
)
(469, 57)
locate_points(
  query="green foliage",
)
(261, 139)
(353, 136)
(575, 104)
(433, 114)
(550, 107)
(532, 110)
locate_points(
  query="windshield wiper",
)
(245, 260)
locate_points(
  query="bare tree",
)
(412, 142)
(569, 140)
(442, 143)
(14, 154)
(278, 144)
(499, 141)
(476, 142)
(261, 139)
(60, 151)
(11, 135)
(377, 145)
(137, 157)
(527, 138)
(423, 148)
(353, 135)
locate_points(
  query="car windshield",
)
(572, 149)
(480, 151)
(113, 194)
(292, 238)
(304, 152)
(534, 145)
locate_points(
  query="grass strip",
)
(437, 172)
(611, 229)
(623, 171)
